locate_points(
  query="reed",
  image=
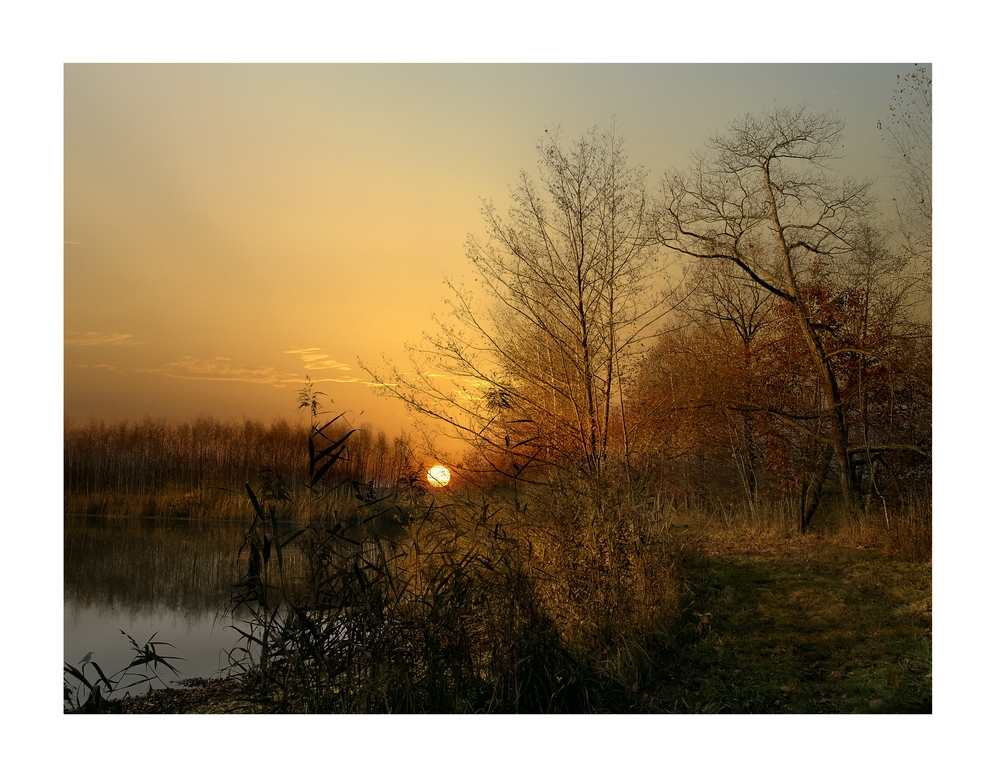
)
(92, 694)
(474, 602)
(470, 609)
(903, 530)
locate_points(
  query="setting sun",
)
(439, 475)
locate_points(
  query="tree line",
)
(139, 458)
(787, 350)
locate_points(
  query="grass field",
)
(807, 625)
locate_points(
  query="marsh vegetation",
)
(545, 600)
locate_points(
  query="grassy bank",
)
(758, 623)
(808, 625)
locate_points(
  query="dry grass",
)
(800, 625)
(559, 599)
(485, 604)
(553, 603)
(902, 529)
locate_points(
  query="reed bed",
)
(359, 592)
(485, 604)
(488, 602)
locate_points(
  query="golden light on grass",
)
(439, 475)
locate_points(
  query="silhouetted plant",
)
(91, 694)
(538, 603)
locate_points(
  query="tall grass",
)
(561, 598)
(475, 602)
(475, 606)
(91, 694)
(902, 528)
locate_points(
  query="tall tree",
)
(529, 367)
(733, 396)
(763, 199)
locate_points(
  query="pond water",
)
(149, 577)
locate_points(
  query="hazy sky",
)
(232, 228)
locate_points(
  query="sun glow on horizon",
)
(439, 475)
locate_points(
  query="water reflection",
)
(147, 576)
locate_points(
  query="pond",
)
(147, 577)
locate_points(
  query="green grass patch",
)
(798, 626)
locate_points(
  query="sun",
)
(439, 475)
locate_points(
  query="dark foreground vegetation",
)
(752, 620)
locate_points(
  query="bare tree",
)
(529, 365)
(908, 131)
(741, 308)
(763, 199)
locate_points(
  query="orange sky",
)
(230, 229)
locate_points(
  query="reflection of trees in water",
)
(141, 566)
(145, 566)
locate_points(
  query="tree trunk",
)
(811, 494)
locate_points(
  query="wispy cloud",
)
(222, 369)
(95, 339)
(315, 360)
(102, 366)
(67, 242)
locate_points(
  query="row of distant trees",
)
(756, 327)
(150, 456)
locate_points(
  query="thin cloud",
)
(222, 369)
(328, 365)
(315, 360)
(67, 242)
(103, 366)
(95, 339)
